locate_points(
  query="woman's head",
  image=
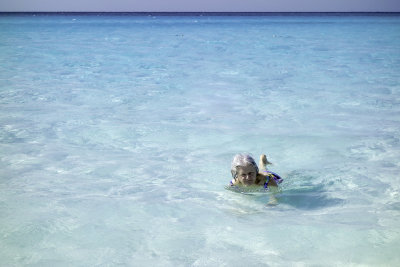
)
(244, 168)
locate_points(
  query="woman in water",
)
(246, 173)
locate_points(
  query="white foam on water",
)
(117, 132)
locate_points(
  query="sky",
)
(200, 5)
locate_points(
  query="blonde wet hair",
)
(241, 160)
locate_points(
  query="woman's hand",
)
(263, 163)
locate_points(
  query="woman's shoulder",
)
(233, 182)
(261, 179)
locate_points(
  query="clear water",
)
(117, 134)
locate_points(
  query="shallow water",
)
(117, 132)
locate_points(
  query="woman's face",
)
(247, 174)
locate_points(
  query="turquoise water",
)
(117, 133)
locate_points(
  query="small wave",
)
(248, 190)
(305, 190)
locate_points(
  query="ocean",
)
(117, 133)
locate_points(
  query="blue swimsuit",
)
(273, 175)
(270, 175)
